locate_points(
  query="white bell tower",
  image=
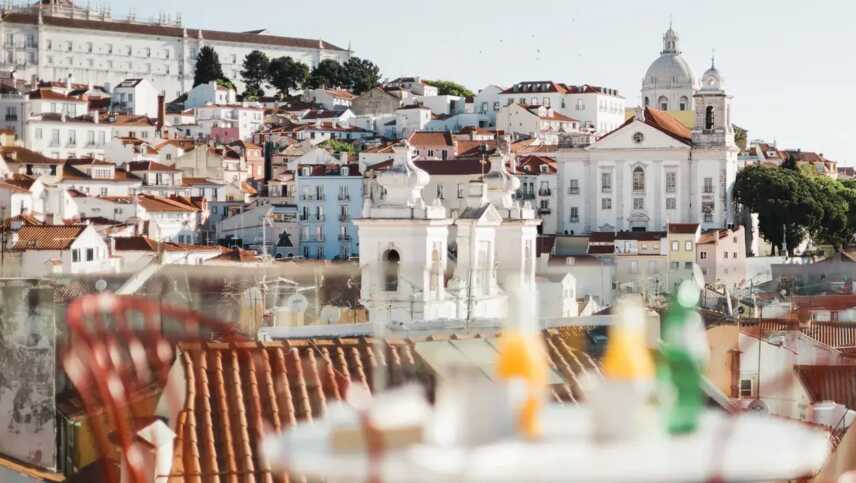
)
(713, 126)
(403, 249)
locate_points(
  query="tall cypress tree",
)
(207, 67)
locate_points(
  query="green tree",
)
(360, 75)
(207, 67)
(255, 73)
(286, 73)
(449, 88)
(785, 201)
(790, 162)
(327, 74)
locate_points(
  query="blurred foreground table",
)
(743, 447)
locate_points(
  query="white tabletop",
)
(746, 447)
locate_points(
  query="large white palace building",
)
(57, 40)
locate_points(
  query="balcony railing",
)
(546, 192)
(344, 236)
(606, 189)
(344, 217)
(544, 211)
(573, 190)
(306, 197)
(344, 197)
(11, 117)
(575, 219)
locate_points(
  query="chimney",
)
(161, 111)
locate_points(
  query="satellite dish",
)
(758, 406)
(330, 314)
(101, 285)
(297, 303)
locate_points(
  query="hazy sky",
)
(790, 65)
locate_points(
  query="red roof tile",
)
(668, 124)
(683, 228)
(829, 383)
(431, 138)
(47, 237)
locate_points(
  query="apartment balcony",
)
(321, 197)
(606, 189)
(344, 236)
(574, 219)
(307, 197)
(11, 117)
(344, 197)
(344, 217)
(319, 217)
(546, 192)
(573, 191)
(544, 211)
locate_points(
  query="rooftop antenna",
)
(713, 59)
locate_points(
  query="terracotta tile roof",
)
(839, 335)
(322, 114)
(382, 149)
(169, 31)
(465, 147)
(70, 173)
(829, 383)
(431, 138)
(136, 243)
(536, 87)
(149, 166)
(531, 164)
(823, 302)
(236, 255)
(13, 187)
(47, 237)
(194, 181)
(341, 94)
(668, 124)
(545, 244)
(683, 228)
(236, 391)
(159, 204)
(52, 95)
(18, 154)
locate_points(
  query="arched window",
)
(391, 263)
(708, 117)
(685, 103)
(663, 103)
(638, 179)
(647, 101)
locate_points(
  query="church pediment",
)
(637, 135)
(486, 215)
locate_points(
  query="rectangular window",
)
(688, 246)
(441, 192)
(573, 187)
(90, 254)
(675, 265)
(675, 246)
(707, 209)
(702, 255)
(75, 255)
(671, 182)
(671, 204)
(745, 388)
(708, 185)
(638, 203)
(688, 265)
(460, 191)
(606, 182)
(575, 214)
(606, 203)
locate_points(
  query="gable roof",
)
(668, 124)
(683, 228)
(431, 138)
(47, 237)
(160, 204)
(149, 166)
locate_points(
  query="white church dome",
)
(670, 70)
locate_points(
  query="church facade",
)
(653, 170)
(418, 264)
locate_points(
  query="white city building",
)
(55, 40)
(653, 171)
(137, 97)
(600, 109)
